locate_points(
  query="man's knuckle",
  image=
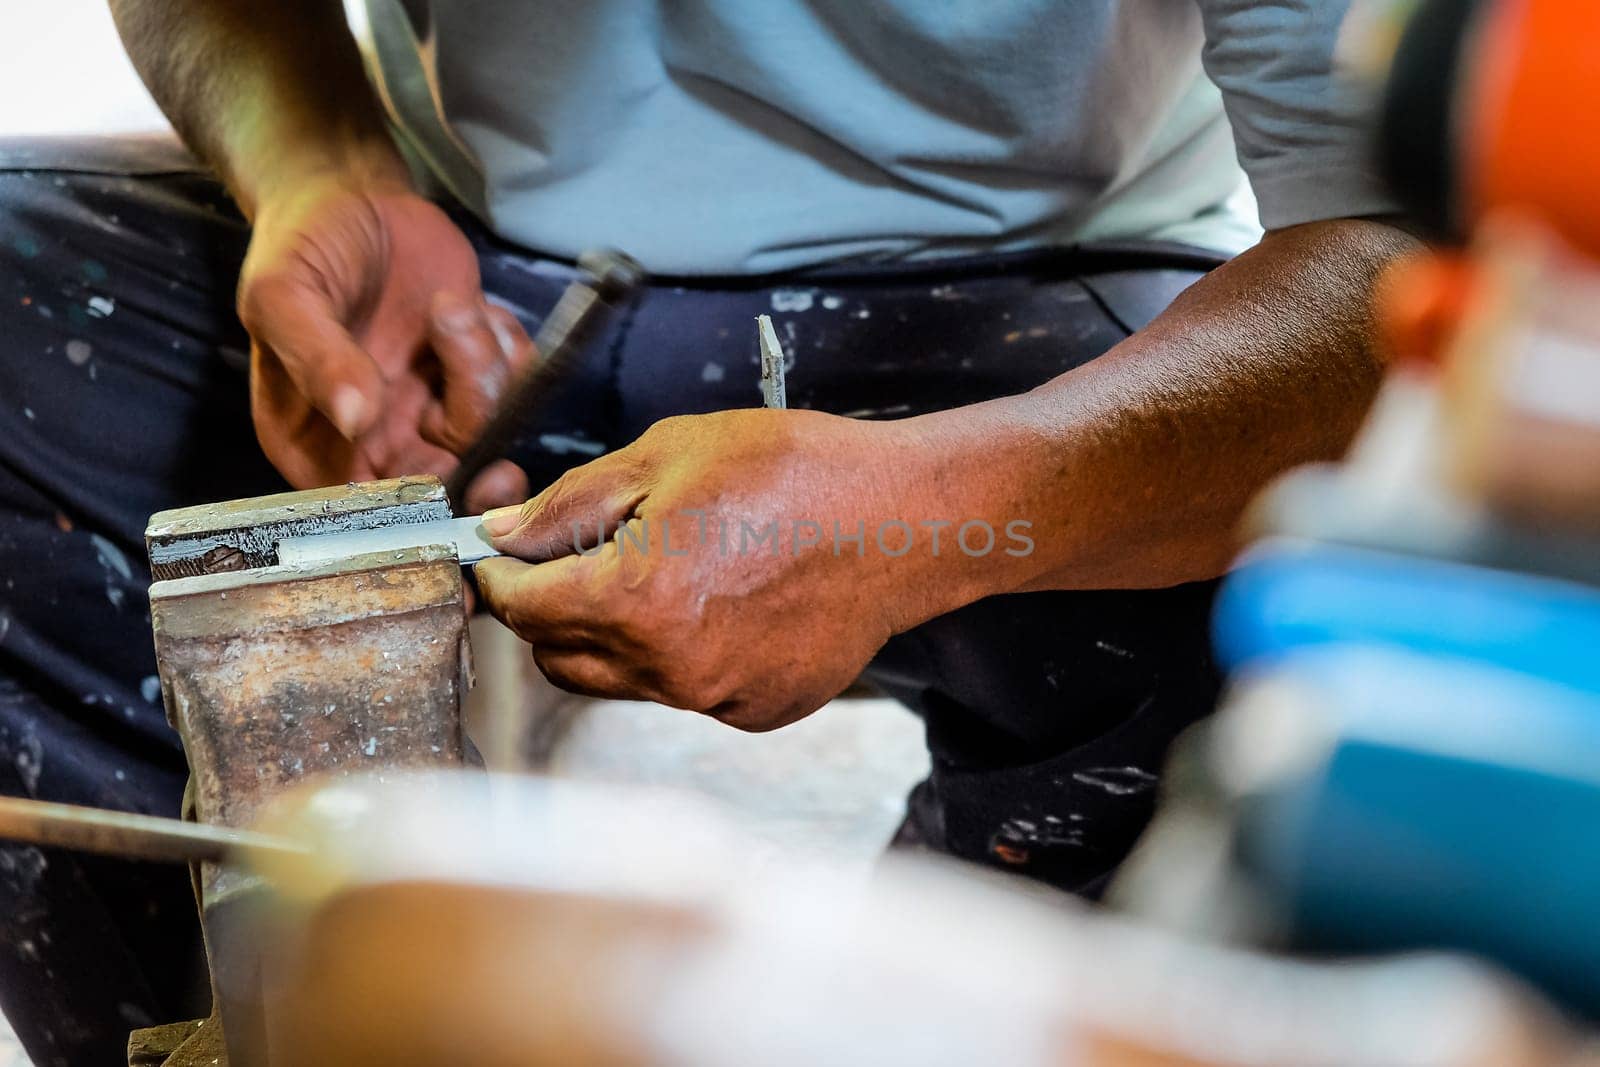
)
(259, 300)
(670, 427)
(249, 307)
(680, 694)
(529, 513)
(500, 597)
(556, 494)
(645, 639)
(646, 614)
(558, 674)
(696, 685)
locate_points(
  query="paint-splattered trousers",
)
(123, 391)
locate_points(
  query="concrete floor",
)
(834, 782)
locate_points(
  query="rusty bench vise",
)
(273, 672)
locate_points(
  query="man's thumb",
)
(576, 514)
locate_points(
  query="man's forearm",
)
(1136, 467)
(268, 93)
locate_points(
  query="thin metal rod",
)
(118, 833)
(774, 393)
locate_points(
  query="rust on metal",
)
(273, 674)
(354, 666)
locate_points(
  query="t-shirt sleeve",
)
(1302, 131)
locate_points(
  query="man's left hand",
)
(722, 587)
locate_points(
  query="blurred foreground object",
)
(1484, 138)
(1410, 756)
(450, 918)
(1485, 113)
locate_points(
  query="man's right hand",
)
(374, 352)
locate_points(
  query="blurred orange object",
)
(1531, 145)
(1421, 299)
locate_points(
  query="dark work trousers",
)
(123, 391)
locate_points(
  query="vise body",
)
(275, 672)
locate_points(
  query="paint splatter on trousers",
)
(123, 375)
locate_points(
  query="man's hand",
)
(374, 353)
(1129, 471)
(720, 610)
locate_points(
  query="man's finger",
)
(586, 673)
(302, 445)
(477, 369)
(541, 602)
(578, 512)
(314, 349)
(500, 484)
(513, 339)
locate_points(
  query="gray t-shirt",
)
(739, 136)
